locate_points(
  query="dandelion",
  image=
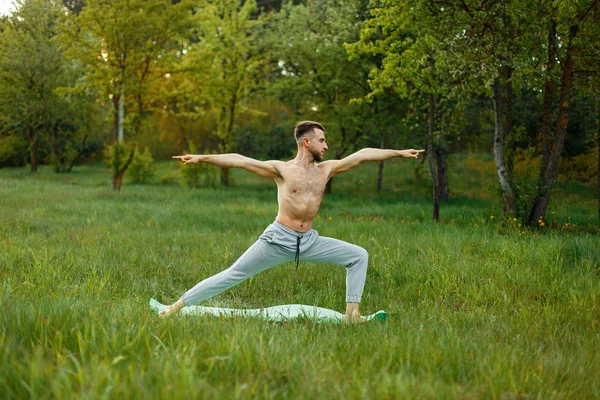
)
(329, 218)
(542, 224)
(491, 217)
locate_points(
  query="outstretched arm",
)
(266, 169)
(345, 164)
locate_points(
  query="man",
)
(301, 184)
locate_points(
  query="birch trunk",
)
(501, 95)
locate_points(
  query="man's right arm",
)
(265, 169)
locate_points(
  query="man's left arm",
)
(368, 154)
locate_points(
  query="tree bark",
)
(33, 148)
(502, 115)
(225, 176)
(546, 138)
(78, 153)
(598, 144)
(442, 170)
(431, 157)
(380, 168)
(547, 175)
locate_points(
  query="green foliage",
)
(141, 169)
(127, 46)
(199, 174)
(116, 156)
(316, 77)
(13, 150)
(225, 64)
(32, 68)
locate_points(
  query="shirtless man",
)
(301, 184)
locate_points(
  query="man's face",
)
(317, 146)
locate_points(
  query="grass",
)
(479, 307)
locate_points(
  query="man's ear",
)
(305, 142)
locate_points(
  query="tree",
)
(225, 65)
(31, 69)
(417, 64)
(314, 73)
(125, 44)
(569, 34)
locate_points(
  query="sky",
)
(6, 6)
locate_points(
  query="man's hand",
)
(411, 153)
(188, 159)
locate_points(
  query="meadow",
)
(479, 307)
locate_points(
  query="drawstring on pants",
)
(297, 258)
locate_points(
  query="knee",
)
(362, 256)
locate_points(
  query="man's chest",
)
(303, 182)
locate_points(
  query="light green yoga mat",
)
(277, 313)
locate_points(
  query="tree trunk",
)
(548, 174)
(115, 101)
(225, 176)
(121, 117)
(431, 158)
(54, 149)
(118, 177)
(546, 138)
(598, 144)
(380, 168)
(501, 100)
(33, 148)
(76, 156)
(442, 170)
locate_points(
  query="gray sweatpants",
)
(279, 244)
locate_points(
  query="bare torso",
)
(300, 191)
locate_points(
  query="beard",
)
(317, 156)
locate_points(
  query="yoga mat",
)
(277, 313)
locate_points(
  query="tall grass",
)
(479, 307)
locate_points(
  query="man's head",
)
(311, 135)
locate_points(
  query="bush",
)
(116, 156)
(200, 174)
(141, 169)
(190, 173)
(14, 151)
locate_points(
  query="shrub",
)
(200, 174)
(116, 156)
(190, 173)
(141, 169)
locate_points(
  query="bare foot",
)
(353, 319)
(352, 314)
(173, 308)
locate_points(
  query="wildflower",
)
(491, 217)
(329, 218)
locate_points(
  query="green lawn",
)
(479, 307)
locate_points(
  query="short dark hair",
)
(304, 128)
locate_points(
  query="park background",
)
(484, 252)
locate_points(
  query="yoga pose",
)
(301, 184)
